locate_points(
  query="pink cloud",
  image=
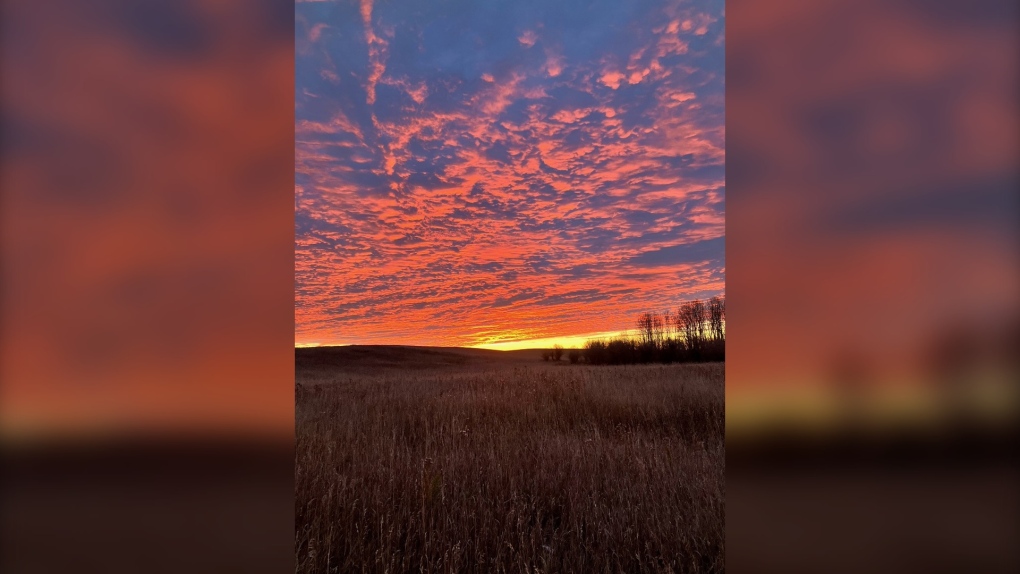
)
(553, 64)
(316, 31)
(528, 38)
(417, 91)
(612, 79)
(570, 116)
(376, 51)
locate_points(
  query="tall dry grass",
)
(513, 469)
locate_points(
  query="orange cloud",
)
(470, 210)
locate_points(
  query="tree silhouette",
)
(716, 317)
(694, 332)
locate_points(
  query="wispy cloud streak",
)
(376, 52)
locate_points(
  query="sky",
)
(504, 174)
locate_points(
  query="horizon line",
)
(566, 341)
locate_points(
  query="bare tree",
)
(716, 317)
(699, 313)
(668, 325)
(658, 329)
(690, 320)
(723, 317)
(646, 325)
(557, 352)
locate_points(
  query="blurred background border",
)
(146, 217)
(873, 243)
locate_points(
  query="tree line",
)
(694, 332)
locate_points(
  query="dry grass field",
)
(457, 460)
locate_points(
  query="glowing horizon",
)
(566, 341)
(545, 179)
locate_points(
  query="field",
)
(456, 460)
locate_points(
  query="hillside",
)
(381, 358)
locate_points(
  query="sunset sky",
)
(495, 173)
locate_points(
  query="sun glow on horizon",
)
(566, 341)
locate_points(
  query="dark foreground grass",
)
(512, 469)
